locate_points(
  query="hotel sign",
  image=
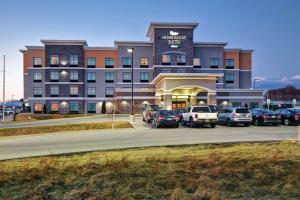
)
(174, 39)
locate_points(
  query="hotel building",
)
(170, 69)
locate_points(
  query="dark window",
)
(126, 62)
(126, 77)
(109, 62)
(91, 62)
(230, 64)
(214, 63)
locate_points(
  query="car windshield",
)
(167, 113)
(201, 109)
(242, 110)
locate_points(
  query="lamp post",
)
(131, 50)
(254, 80)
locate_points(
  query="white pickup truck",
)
(199, 115)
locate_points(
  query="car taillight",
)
(196, 116)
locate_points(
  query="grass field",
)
(61, 128)
(241, 171)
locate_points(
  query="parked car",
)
(166, 118)
(262, 116)
(234, 116)
(179, 112)
(290, 116)
(148, 112)
(199, 115)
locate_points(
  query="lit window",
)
(37, 92)
(54, 60)
(180, 59)
(54, 90)
(73, 90)
(54, 76)
(109, 77)
(91, 62)
(37, 61)
(38, 107)
(74, 107)
(91, 77)
(229, 63)
(144, 62)
(166, 59)
(54, 107)
(91, 92)
(197, 62)
(109, 92)
(109, 62)
(73, 60)
(37, 77)
(73, 76)
(126, 62)
(144, 77)
(126, 76)
(214, 63)
(91, 108)
(229, 78)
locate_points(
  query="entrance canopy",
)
(169, 87)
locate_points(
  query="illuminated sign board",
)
(174, 39)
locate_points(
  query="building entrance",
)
(178, 104)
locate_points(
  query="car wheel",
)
(213, 125)
(287, 122)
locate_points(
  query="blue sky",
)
(270, 27)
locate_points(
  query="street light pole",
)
(3, 101)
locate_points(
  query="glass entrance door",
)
(178, 104)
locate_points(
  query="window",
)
(109, 77)
(197, 63)
(180, 70)
(37, 77)
(91, 77)
(54, 107)
(91, 108)
(126, 62)
(37, 92)
(214, 63)
(54, 60)
(127, 77)
(38, 107)
(91, 92)
(73, 76)
(73, 60)
(144, 62)
(144, 77)
(54, 76)
(73, 90)
(54, 91)
(109, 62)
(74, 107)
(109, 92)
(180, 59)
(166, 70)
(229, 63)
(91, 62)
(37, 62)
(229, 78)
(166, 59)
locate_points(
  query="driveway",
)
(141, 136)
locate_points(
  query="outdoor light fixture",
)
(131, 50)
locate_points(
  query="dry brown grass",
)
(61, 128)
(242, 171)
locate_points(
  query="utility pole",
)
(3, 102)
